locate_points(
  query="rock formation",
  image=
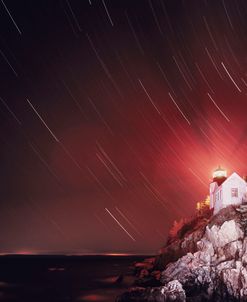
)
(207, 263)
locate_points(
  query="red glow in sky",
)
(128, 109)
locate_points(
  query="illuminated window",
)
(234, 192)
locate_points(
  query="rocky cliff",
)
(207, 261)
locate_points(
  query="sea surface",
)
(62, 278)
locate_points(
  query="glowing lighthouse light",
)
(219, 172)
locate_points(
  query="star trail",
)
(113, 116)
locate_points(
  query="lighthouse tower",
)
(219, 176)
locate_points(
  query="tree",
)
(203, 206)
(177, 225)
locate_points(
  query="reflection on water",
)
(107, 296)
(56, 269)
(57, 278)
(94, 298)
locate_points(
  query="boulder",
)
(173, 291)
(221, 235)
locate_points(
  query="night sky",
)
(114, 113)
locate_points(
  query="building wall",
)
(234, 182)
(219, 195)
(213, 186)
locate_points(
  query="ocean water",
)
(63, 278)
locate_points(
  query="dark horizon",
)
(113, 116)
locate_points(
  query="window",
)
(234, 192)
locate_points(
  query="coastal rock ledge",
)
(214, 270)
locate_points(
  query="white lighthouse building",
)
(225, 191)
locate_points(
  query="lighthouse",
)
(225, 191)
(219, 175)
